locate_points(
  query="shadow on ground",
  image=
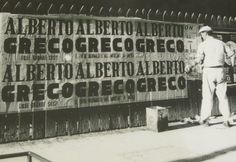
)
(181, 126)
(207, 156)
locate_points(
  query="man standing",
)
(211, 53)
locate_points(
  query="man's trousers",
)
(214, 80)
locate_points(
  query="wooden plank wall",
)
(46, 124)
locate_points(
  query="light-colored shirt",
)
(211, 52)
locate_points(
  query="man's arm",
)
(198, 60)
(230, 53)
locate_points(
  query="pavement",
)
(183, 142)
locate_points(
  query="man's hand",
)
(188, 68)
(232, 59)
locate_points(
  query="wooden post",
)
(29, 158)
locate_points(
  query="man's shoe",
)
(226, 124)
(205, 123)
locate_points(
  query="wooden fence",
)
(44, 124)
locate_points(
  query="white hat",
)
(205, 29)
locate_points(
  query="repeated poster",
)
(72, 61)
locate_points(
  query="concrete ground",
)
(182, 142)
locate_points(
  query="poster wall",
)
(71, 61)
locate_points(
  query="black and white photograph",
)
(117, 81)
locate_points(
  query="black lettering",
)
(151, 82)
(67, 45)
(38, 92)
(105, 44)
(8, 74)
(80, 89)
(10, 45)
(160, 45)
(106, 87)
(180, 46)
(30, 72)
(67, 90)
(118, 87)
(50, 93)
(40, 70)
(162, 84)
(93, 45)
(141, 85)
(171, 84)
(50, 72)
(39, 45)
(7, 93)
(129, 45)
(41, 26)
(170, 45)
(93, 89)
(168, 30)
(140, 45)
(10, 27)
(53, 45)
(80, 29)
(22, 93)
(150, 45)
(32, 26)
(98, 27)
(80, 45)
(129, 86)
(18, 73)
(99, 71)
(116, 41)
(68, 71)
(69, 27)
(24, 45)
(51, 27)
(181, 82)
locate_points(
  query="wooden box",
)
(157, 118)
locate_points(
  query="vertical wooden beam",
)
(25, 120)
(2, 127)
(39, 126)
